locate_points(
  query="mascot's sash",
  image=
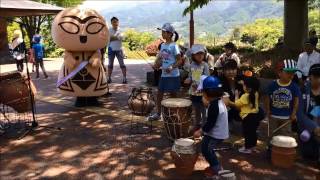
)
(72, 73)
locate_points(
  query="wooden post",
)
(191, 26)
(295, 23)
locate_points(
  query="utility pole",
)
(191, 26)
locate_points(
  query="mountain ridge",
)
(217, 18)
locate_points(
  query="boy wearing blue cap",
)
(215, 129)
(38, 50)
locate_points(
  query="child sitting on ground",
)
(215, 129)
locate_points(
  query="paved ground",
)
(96, 143)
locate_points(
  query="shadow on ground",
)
(96, 143)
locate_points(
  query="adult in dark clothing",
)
(309, 116)
(230, 84)
(313, 38)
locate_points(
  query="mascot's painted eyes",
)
(73, 28)
(94, 27)
(70, 27)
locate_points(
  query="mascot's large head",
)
(77, 29)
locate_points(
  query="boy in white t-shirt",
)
(215, 129)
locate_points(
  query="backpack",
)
(38, 52)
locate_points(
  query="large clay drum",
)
(14, 92)
(184, 156)
(283, 152)
(141, 101)
(176, 114)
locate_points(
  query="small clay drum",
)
(141, 101)
(283, 151)
(176, 114)
(184, 156)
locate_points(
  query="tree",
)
(263, 33)
(135, 40)
(33, 24)
(314, 4)
(295, 20)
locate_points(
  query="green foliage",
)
(135, 40)
(51, 49)
(314, 4)
(62, 3)
(217, 50)
(196, 4)
(12, 26)
(314, 20)
(263, 33)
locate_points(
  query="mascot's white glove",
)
(95, 59)
(69, 61)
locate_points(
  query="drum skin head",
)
(80, 29)
(176, 102)
(184, 142)
(284, 141)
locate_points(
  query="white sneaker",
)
(245, 151)
(154, 117)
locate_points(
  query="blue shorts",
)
(120, 56)
(169, 84)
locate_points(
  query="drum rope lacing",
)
(176, 120)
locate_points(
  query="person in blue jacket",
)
(39, 54)
(309, 116)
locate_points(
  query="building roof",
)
(10, 8)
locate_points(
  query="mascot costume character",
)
(82, 33)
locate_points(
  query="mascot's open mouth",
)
(83, 39)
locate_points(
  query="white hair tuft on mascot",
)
(82, 33)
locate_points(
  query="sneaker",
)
(124, 81)
(245, 151)
(37, 77)
(109, 81)
(209, 173)
(154, 117)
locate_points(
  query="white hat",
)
(196, 48)
(167, 27)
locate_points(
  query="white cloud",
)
(111, 5)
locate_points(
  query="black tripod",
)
(34, 123)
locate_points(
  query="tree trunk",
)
(4, 48)
(191, 28)
(295, 23)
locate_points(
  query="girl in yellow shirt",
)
(248, 104)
